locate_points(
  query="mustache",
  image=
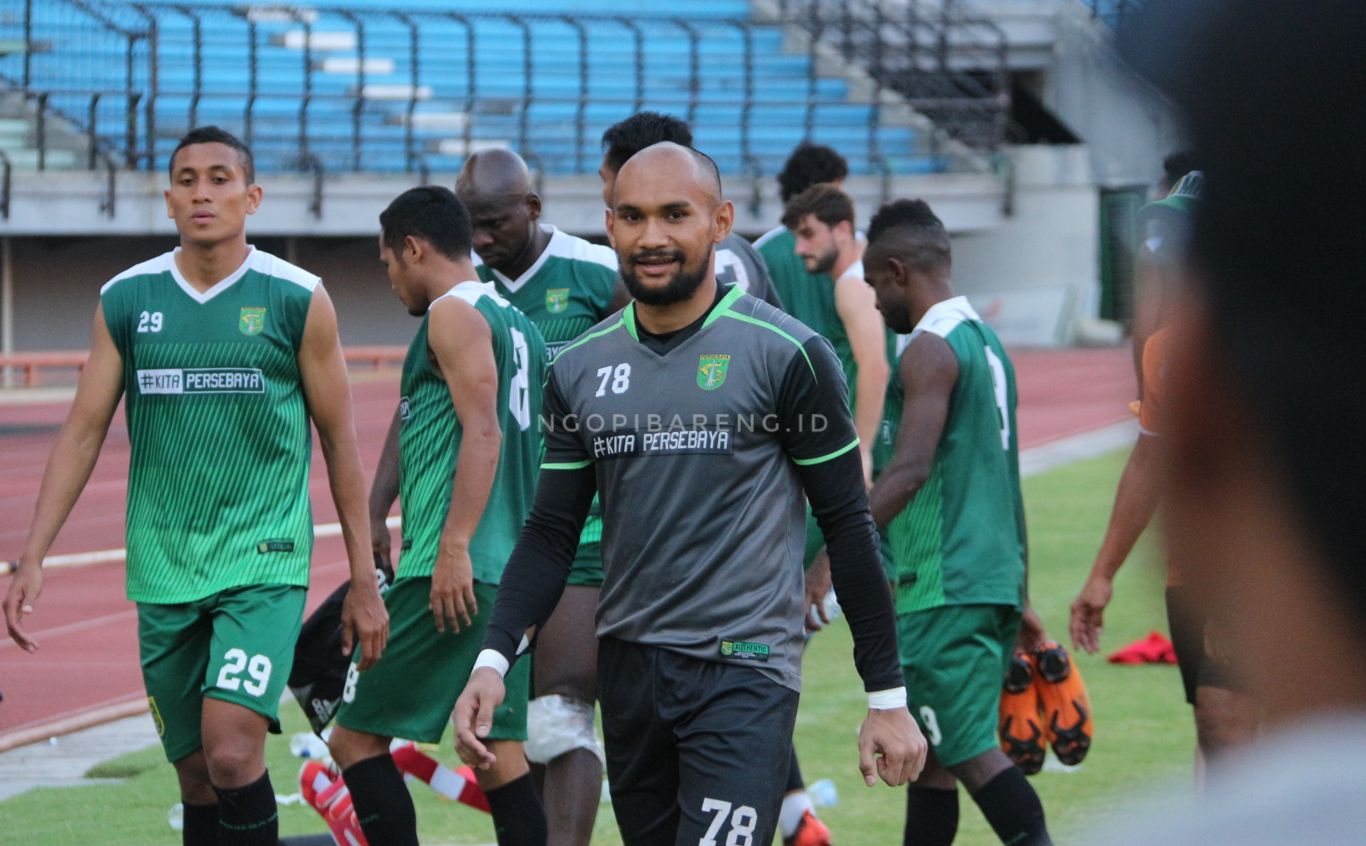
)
(657, 255)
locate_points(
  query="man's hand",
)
(1088, 614)
(365, 621)
(452, 602)
(1032, 634)
(379, 541)
(23, 592)
(817, 586)
(473, 717)
(890, 746)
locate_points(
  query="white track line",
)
(108, 556)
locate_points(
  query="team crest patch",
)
(711, 371)
(556, 300)
(252, 321)
(156, 716)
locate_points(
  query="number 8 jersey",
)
(959, 540)
(430, 433)
(218, 477)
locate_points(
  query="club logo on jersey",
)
(556, 300)
(711, 371)
(405, 409)
(252, 321)
(156, 716)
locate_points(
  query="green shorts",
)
(236, 645)
(953, 659)
(411, 692)
(586, 571)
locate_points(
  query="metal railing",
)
(355, 89)
(946, 63)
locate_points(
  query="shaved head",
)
(668, 157)
(494, 172)
(496, 186)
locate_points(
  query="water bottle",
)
(306, 744)
(823, 793)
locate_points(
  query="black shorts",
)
(1198, 650)
(697, 751)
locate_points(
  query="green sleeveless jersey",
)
(430, 433)
(218, 476)
(566, 292)
(959, 541)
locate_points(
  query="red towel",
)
(1153, 649)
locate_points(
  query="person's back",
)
(960, 537)
(430, 434)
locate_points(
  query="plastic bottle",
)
(823, 793)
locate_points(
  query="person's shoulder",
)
(770, 237)
(276, 268)
(152, 267)
(773, 325)
(580, 250)
(600, 332)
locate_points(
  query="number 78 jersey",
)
(959, 540)
(430, 437)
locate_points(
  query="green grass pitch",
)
(1144, 735)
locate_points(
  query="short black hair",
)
(624, 139)
(216, 135)
(1277, 238)
(432, 213)
(910, 231)
(808, 165)
(827, 202)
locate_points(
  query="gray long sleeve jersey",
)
(698, 451)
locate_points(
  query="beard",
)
(824, 262)
(684, 284)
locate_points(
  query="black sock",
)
(247, 815)
(200, 824)
(931, 816)
(382, 802)
(1013, 809)
(518, 817)
(794, 774)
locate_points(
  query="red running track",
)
(86, 667)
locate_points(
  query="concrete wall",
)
(57, 283)
(1034, 274)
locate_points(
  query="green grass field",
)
(1144, 734)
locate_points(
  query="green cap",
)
(1182, 199)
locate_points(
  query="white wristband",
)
(494, 660)
(885, 700)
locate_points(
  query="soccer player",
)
(565, 285)
(468, 448)
(702, 415)
(822, 220)
(948, 496)
(223, 354)
(737, 262)
(1225, 717)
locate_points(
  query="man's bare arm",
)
(327, 390)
